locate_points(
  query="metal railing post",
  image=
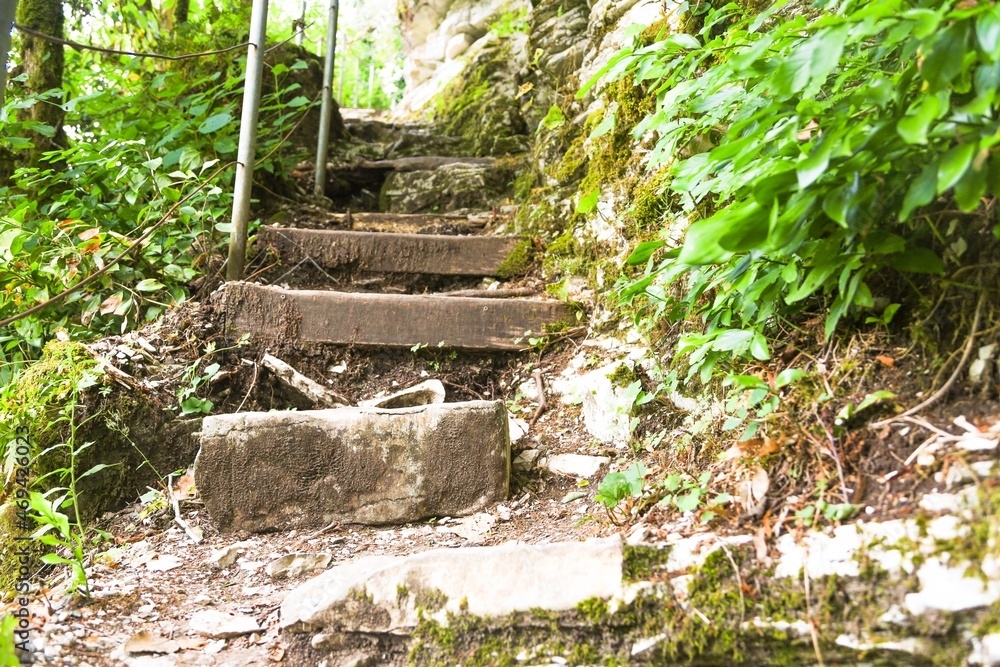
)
(357, 79)
(248, 141)
(326, 111)
(8, 10)
(300, 37)
(371, 82)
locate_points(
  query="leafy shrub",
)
(831, 137)
(143, 138)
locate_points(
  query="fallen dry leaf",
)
(184, 488)
(147, 642)
(886, 360)
(110, 304)
(88, 234)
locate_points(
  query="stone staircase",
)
(372, 279)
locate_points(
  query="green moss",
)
(470, 107)
(572, 165)
(641, 561)
(517, 262)
(594, 610)
(429, 599)
(622, 377)
(645, 215)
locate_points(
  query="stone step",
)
(397, 320)
(396, 593)
(263, 471)
(392, 253)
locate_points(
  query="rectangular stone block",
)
(265, 471)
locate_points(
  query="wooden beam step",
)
(392, 253)
(395, 320)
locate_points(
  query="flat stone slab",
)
(383, 593)
(392, 253)
(398, 320)
(262, 471)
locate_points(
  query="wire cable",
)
(139, 54)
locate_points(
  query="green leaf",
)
(953, 165)
(918, 260)
(758, 347)
(644, 251)
(604, 126)
(788, 376)
(733, 340)
(921, 191)
(215, 123)
(296, 102)
(875, 398)
(589, 201)
(970, 190)
(96, 469)
(225, 145)
(913, 126)
(703, 243)
(149, 285)
(944, 61)
(839, 511)
(988, 32)
(612, 490)
(689, 501)
(8, 655)
(554, 118)
(811, 167)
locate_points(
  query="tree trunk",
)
(181, 12)
(43, 62)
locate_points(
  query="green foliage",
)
(807, 152)
(57, 529)
(510, 23)
(142, 138)
(187, 397)
(617, 486)
(8, 652)
(755, 399)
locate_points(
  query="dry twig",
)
(542, 403)
(943, 391)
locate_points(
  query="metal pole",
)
(371, 82)
(248, 141)
(326, 110)
(340, 97)
(301, 35)
(357, 79)
(8, 10)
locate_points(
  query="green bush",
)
(831, 139)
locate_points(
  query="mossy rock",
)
(127, 430)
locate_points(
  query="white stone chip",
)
(574, 465)
(220, 625)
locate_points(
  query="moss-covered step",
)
(392, 253)
(280, 316)
(396, 594)
(263, 471)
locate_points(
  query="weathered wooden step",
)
(398, 320)
(425, 163)
(392, 253)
